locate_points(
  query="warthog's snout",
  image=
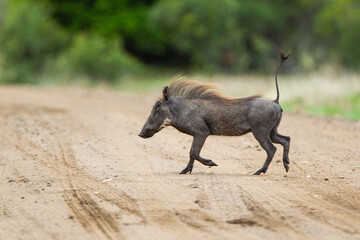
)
(142, 135)
(146, 132)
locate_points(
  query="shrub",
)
(228, 35)
(97, 58)
(204, 30)
(28, 39)
(337, 25)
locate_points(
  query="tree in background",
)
(235, 35)
(206, 32)
(107, 39)
(29, 38)
(33, 41)
(337, 24)
(126, 19)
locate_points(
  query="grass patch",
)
(345, 107)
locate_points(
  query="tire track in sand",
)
(25, 123)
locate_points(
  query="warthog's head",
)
(159, 116)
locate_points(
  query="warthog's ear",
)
(166, 94)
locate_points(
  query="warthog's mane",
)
(186, 88)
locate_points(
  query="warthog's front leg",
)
(196, 146)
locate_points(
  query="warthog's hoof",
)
(208, 162)
(286, 166)
(186, 170)
(261, 170)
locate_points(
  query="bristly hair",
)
(186, 88)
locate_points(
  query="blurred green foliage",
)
(120, 18)
(96, 57)
(205, 31)
(109, 39)
(29, 38)
(338, 24)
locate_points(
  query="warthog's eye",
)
(157, 105)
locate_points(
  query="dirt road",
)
(73, 167)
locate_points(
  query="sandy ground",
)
(73, 167)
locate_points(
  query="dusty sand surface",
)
(73, 167)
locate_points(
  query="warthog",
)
(198, 110)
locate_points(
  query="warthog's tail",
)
(283, 59)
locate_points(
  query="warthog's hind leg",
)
(262, 135)
(285, 142)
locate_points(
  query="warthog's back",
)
(231, 117)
